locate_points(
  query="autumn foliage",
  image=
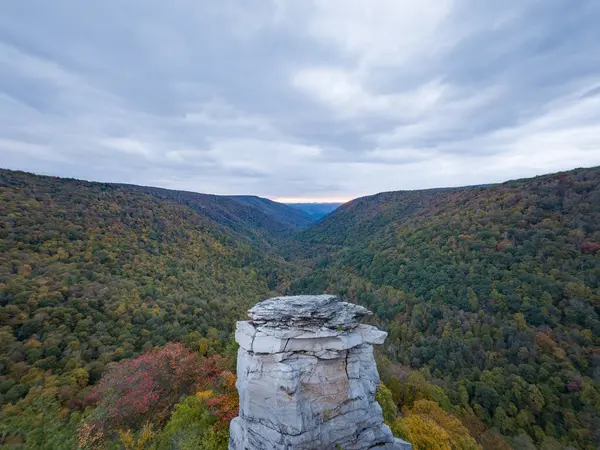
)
(225, 406)
(145, 389)
(590, 247)
(428, 427)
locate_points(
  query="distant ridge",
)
(255, 218)
(248, 215)
(358, 219)
(316, 210)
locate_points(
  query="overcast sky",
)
(320, 100)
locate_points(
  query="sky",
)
(299, 100)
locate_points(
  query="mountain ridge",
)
(256, 218)
(316, 210)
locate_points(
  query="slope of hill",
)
(92, 273)
(495, 290)
(285, 214)
(259, 219)
(316, 210)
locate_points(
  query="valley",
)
(491, 296)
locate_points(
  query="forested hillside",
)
(493, 290)
(117, 304)
(258, 219)
(95, 273)
(285, 214)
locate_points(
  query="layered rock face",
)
(307, 378)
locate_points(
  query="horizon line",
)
(310, 200)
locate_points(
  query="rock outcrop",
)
(307, 378)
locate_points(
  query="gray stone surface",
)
(371, 334)
(308, 311)
(399, 444)
(307, 378)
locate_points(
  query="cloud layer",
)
(328, 99)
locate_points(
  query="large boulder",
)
(307, 378)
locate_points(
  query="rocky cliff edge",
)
(307, 378)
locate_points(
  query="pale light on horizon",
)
(309, 200)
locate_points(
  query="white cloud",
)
(128, 145)
(380, 32)
(27, 149)
(218, 114)
(344, 94)
(271, 157)
(567, 135)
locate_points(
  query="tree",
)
(452, 431)
(472, 299)
(144, 389)
(193, 426)
(385, 399)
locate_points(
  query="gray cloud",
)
(326, 99)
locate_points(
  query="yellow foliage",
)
(398, 428)
(145, 437)
(32, 343)
(203, 346)
(429, 427)
(520, 320)
(204, 394)
(34, 375)
(81, 377)
(129, 441)
(425, 434)
(228, 380)
(458, 434)
(559, 353)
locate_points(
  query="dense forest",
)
(92, 274)
(259, 219)
(493, 291)
(117, 305)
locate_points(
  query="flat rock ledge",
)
(307, 378)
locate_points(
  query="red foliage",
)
(212, 370)
(503, 244)
(225, 406)
(145, 388)
(575, 385)
(590, 247)
(564, 178)
(452, 242)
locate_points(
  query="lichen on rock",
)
(307, 378)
